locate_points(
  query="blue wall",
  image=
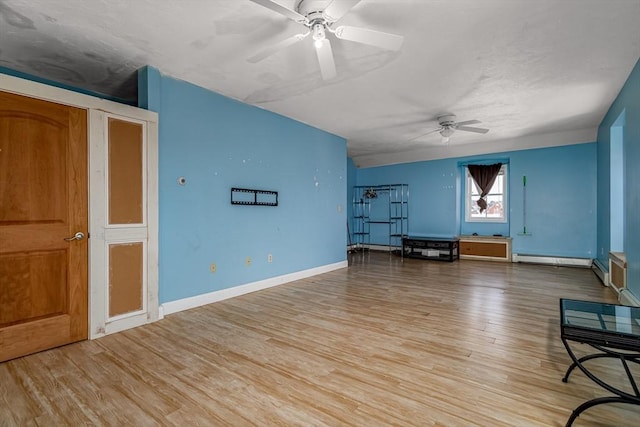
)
(616, 185)
(561, 198)
(217, 143)
(433, 196)
(627, 102)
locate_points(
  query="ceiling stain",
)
(203, 42)
(54, 71)
(14, 18)
(95, 56)
(49, 18)
(123, 83)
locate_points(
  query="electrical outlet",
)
(213, 267)
(269, 258)
(248, 261)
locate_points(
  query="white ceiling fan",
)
(448, 126)
(319, 16)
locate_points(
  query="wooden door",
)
(43, 200)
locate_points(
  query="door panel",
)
(126, 278)
(126, 172)
(43, 200)
(26, 294)
(34, 160)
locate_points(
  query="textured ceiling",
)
(535, 72)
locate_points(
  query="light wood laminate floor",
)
(384, 342)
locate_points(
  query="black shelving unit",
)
(394, 214)
(360, 229)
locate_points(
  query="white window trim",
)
(504, 170)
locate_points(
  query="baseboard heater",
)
(627, 298)
(601, 272)
(549, 260)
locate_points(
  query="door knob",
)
(78, 236)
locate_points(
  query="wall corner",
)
(149, 85)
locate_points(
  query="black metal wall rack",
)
(250, 197)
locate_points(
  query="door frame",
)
(98, 111)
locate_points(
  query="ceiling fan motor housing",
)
(447, 121)
(314, 11)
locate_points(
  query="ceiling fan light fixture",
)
(447, 132)
(318, 35)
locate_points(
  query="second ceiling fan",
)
(319, 16)
(448, 125)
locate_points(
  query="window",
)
(496, 199)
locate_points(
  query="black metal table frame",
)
(599, 342)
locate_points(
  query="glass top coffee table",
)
(614, 331)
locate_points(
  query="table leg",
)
(593, 402)
(584, 359)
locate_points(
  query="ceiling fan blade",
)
(338, 8)
(276, 7)
(370, 37)
(428, 133)
(325, 58)
(276, 47)
(468, 122)
(470, 129)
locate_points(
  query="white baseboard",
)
(569, 262)
(626, 297)
(211, 297)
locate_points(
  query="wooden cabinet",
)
(491, 248)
